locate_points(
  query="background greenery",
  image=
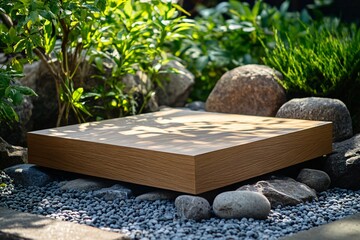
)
(117, 37)
(318, 56)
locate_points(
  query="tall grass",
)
(324, 62)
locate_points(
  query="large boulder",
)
(343, 165)
(316, 179)
(250, 89)
(320, 109)
(282, 191)
(192, 207)
(176, 86)
(240, 204)
(11, 155)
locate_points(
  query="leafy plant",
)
(325, 62)
(134, 40)
(11, 95)
(230, 35)
(118, 36)
(38, 27)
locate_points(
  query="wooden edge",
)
(169, 171)
(236, 164)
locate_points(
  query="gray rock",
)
(11, 155)
(81, 184)
(114, 192)
(176, 86)
(157, 195)
(282, 192)
(3, 58)
(316, 179)
(250, 89)
(15, 132)
(192, 207)
(320, 109)
(28, 175)
(140, 83)
(241, 204)
(343, 165)
(38, 77)
(196, 106)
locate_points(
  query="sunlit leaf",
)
(76, 95)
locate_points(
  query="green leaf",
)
(8, 112)
(76, 95)
(82, 108)
(12, 35)
(128, 9)
(28, 49)
(284, 6)
(20, 46)
(17, 98)
(101, 4)
(202, 62)
(179, 8)
(99, 64)
(25, 90)
(16, 65)
(49, 36)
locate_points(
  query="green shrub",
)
(11, 95)
(123, 36)
(325, 62)
(134, 39)
(230, 35)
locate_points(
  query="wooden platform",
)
(181, 150)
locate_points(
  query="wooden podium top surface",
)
(181, 132)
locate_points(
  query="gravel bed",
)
(158, 219)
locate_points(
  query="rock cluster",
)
(249, 201)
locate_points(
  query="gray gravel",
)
(6, 186)
(158, 219)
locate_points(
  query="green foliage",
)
(118, 36)
(230, 35)
(39, 24)
(133, 39)
(11, 95)
(325, 62)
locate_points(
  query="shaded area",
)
(347, 228)
(24, 226)
(8, 236)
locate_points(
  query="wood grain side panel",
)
(150, 168)
(228, 166)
